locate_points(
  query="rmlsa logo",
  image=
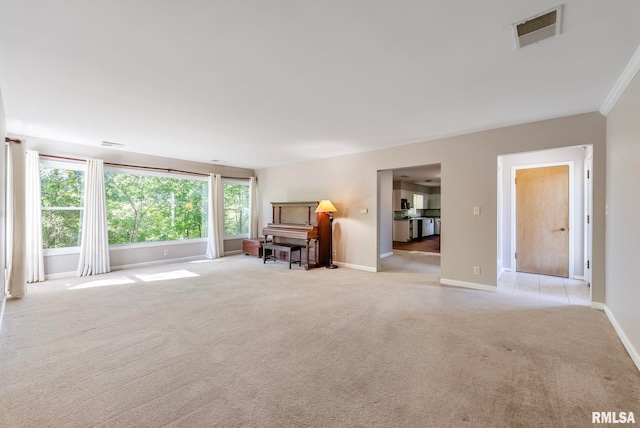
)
(613, 418)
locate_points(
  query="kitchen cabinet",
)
(402, 230)
(428, 227)
(434, 201)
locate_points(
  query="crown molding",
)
(623, 81)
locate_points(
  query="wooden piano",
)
(298, 223)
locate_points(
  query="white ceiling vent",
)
(538, 27)
(110, 144)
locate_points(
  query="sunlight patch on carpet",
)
(163, 276)
(121, 280)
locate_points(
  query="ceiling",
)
(259, 83)
(425, 175)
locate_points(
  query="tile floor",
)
(570, 291)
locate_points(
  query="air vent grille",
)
(110, 144)
(537, 28)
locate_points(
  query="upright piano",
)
(298, 223)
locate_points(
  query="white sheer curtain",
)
(15, 216)
(35, 261)
(94, 245)
(253, 207)
(215, 242)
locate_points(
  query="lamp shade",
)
(325, 206)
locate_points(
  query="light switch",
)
(476, 210)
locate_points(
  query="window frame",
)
(65, 165)
(240, 181)
(144, 172)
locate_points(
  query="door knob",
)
(562, 229)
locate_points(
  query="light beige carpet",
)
(237, 343)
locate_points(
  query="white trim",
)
(581, 278)
(2, 305)
(356, 267)
(464, 284)
(48, 252)
(598, 305)
(232, 253)
(633, 352)
(382, 256)
(625, 78)
(571, 165)
(59, 275)
(118, 247)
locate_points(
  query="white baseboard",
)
(464, 284)
(598, 305)
(2, 305)
(633, 353)
(581, 278)
(232, 253)
(59, 275)
(356, 267)
(382, 256)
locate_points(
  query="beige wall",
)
(469, 178)
(3, 134)
(622, 222)
(385, 208)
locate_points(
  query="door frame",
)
(570, 164)
(588, 212)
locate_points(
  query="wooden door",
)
(542, 220)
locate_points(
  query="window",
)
(418, 200)
(61, 203)
(148, 208)
(236, 209)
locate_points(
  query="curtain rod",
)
(12, 140)
(153, 168)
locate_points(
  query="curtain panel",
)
(215, 220)
(253, 207)
(35, 260)
(94, 244)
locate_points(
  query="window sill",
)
(76, 250)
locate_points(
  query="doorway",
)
(409, 215)
(514, 265)
(542, 220)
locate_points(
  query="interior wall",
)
(67, 263)
(3, 172)
(469, 178)
(623, 227)
(568, 154)
(385, 212)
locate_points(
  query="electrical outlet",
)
(476, 270)
(166, 252)
(476, 210)
(333, 253)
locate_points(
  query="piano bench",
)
(270, 248)
(252, 246)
